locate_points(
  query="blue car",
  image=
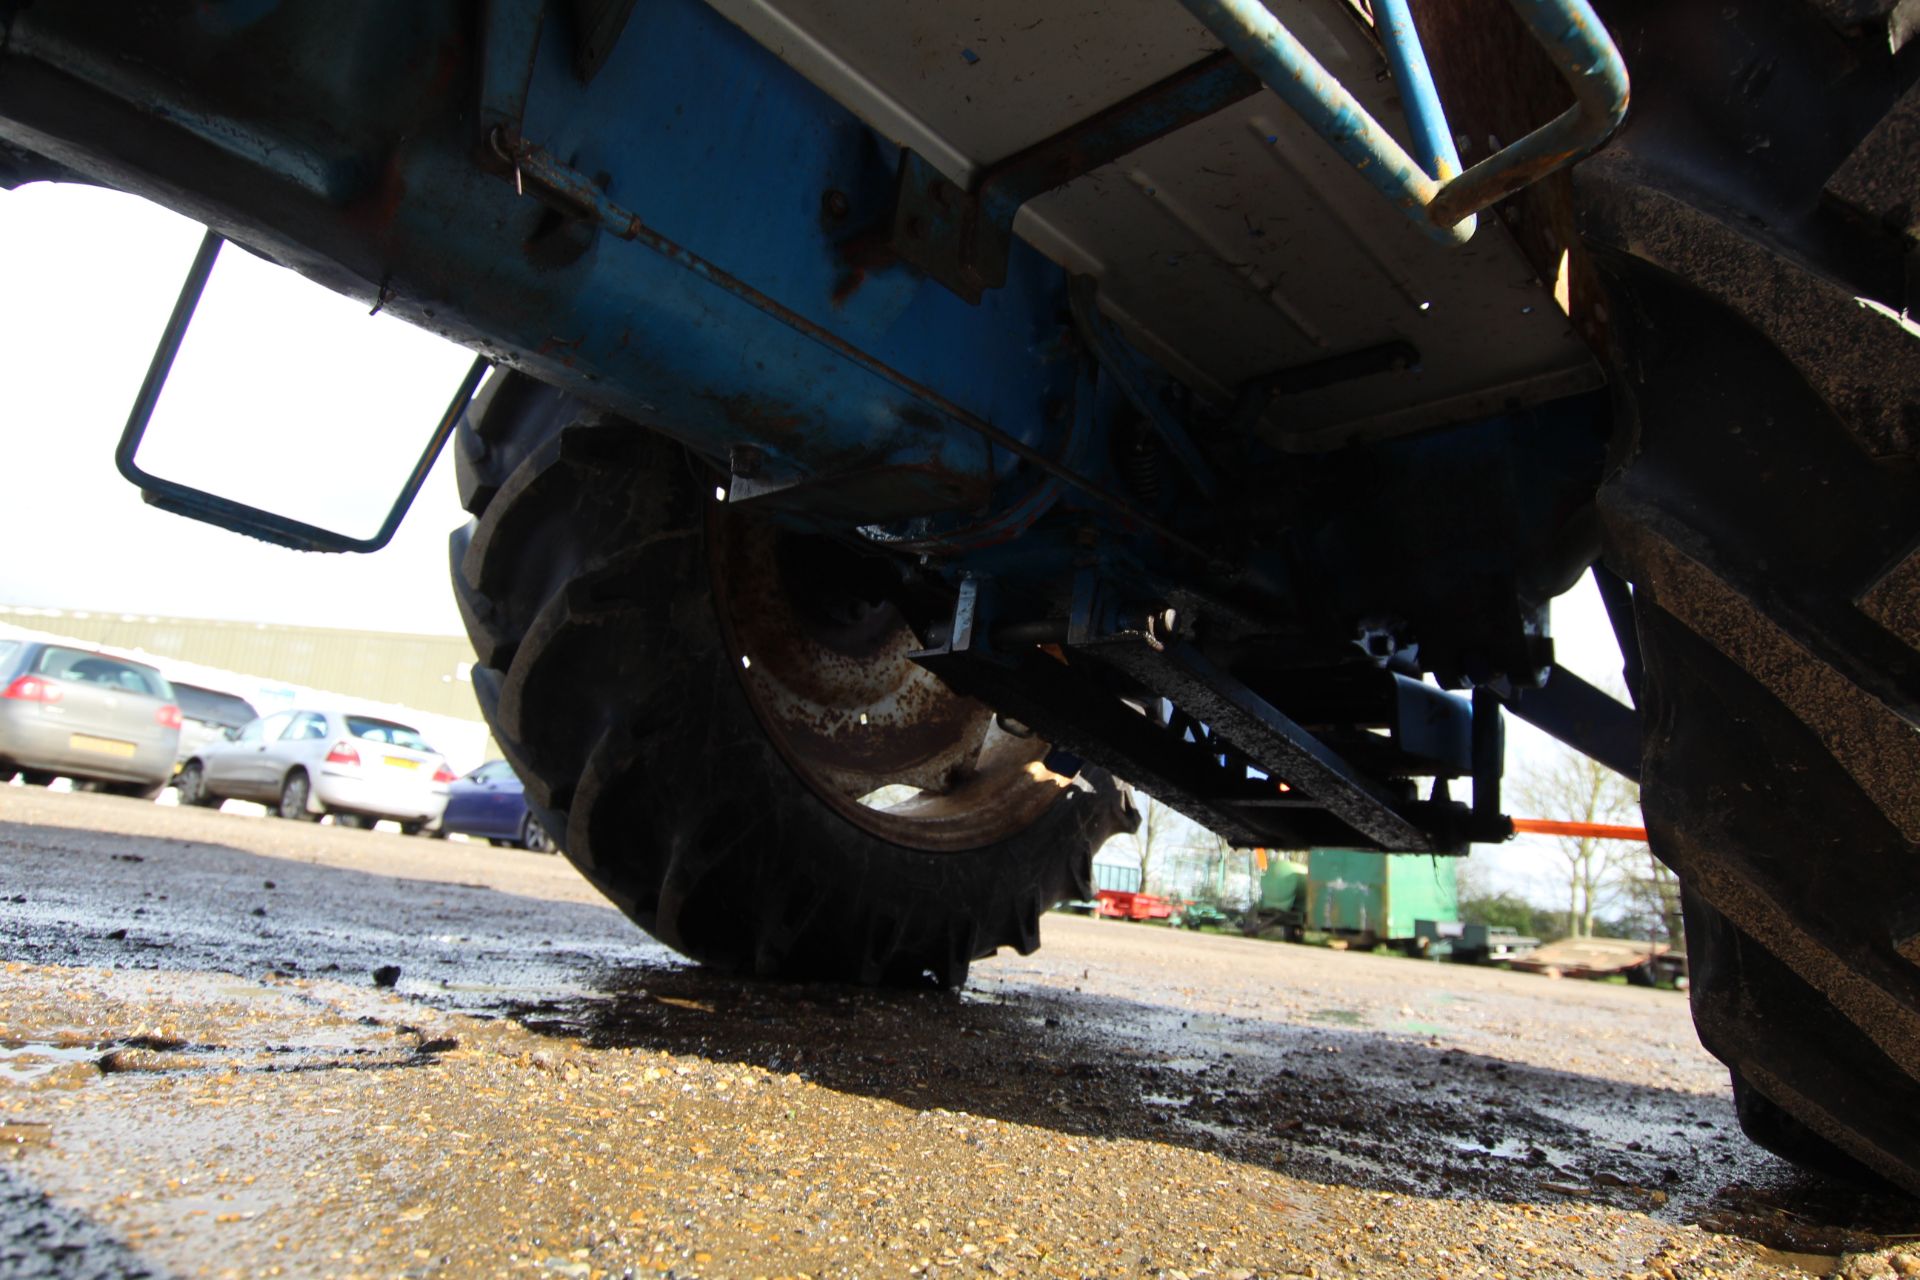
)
(489, 802)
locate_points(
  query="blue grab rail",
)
(1432, 190)
(1410, 71)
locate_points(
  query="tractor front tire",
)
(644, 653)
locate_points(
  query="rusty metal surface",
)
(1497, 84)
(830, 677)
(1583, 53)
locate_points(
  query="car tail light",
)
(444, 774)
(343, 753)
(168, 716)
(33, 689)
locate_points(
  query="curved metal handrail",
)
(1432, 190)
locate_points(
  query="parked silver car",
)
(104, 722)
(307, 763)
(206, 716)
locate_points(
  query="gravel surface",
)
(201, 1075)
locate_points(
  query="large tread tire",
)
(1766, 505)
(606, 678)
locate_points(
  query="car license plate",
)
(101, 746)
(401, 762)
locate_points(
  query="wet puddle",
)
(23, 1060)
(1810, 1264)
(25, 1133)
(1164, 1100)
(1519, 1148)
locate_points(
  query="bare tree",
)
(1179, 856)
(1575, 788)
(1654, 894)
(1160, 833)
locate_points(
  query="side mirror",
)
(244, 285)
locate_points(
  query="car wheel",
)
(190, 787)
(294, 793)
(534, 837)
(412, 828)
(1763, 503)
(646, 660)
(353, 821)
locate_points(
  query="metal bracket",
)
(1617, 595)
(1432, 190)
(1586, 719)
(255, 522)
(1197, 757)
(1270, 740)
(1129, 373)
(962, 238)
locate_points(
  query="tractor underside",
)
(905, 421)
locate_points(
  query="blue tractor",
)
(893, 424)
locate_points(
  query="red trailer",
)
(1117, 904)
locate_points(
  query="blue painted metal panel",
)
(747, 151)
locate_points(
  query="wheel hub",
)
(823, 654)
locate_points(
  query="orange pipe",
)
(1597, 830)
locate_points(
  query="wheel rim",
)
(822, 654)
(192, 786)
(293, 797)
(533, 836)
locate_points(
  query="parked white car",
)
(304, 764)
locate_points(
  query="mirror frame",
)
(240, 517)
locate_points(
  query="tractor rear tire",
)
(593, 582)
(1753, 228)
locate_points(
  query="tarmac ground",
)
(236, 1046)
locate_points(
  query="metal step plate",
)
(1236, 246)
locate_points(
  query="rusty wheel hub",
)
(822, 653)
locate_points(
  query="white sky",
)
(299, 414)
(294, 399)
